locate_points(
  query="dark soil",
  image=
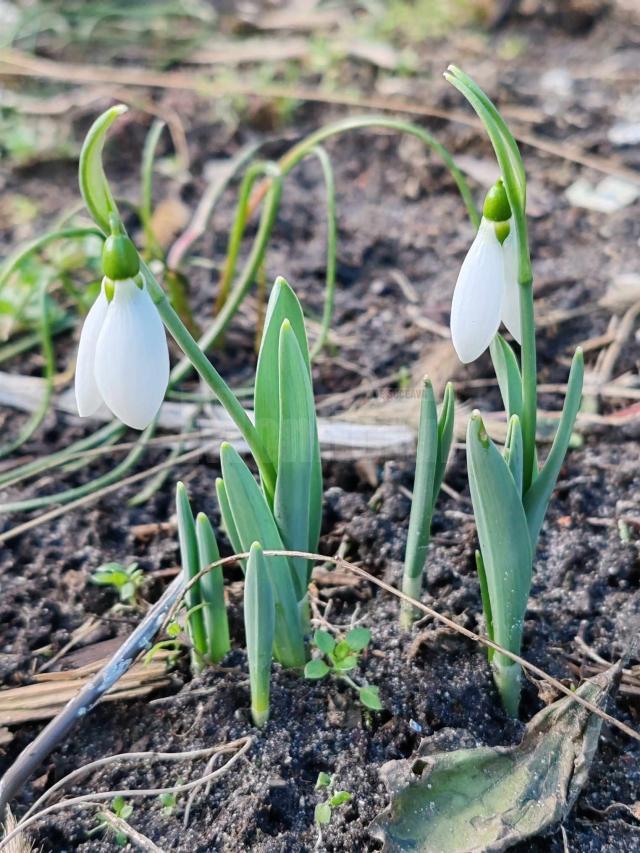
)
(396, 213)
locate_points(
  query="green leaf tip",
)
(476, 423)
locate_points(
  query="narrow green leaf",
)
(537, 498)
(422, 503)
(445, 437)
(297, 440)
(504, 541)
(283, 305)
(93, 181)
(324, 641)
(316, 669)
(152, 247)
(190, 567)
(259, 626)
(508, 375)
(514, 451)
(212, 591)
(370, 698)
(228, 523)
(254, 522)
(358, 639)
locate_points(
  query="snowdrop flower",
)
(487, 290)
(123, 358)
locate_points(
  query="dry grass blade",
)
(20, 842)
(20, 64)
(52, 690)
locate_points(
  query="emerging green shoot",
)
(434, 445)
(335, 799)
(126, 580)
(259, 626)
(207, 622)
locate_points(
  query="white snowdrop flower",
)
(476, 309)
(123, 358)
(487, 289)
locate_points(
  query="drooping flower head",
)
(487, 290)
(123, 358)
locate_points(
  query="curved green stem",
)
(146, 205)
(247, 277)
(332, 241)
(294, 156)
(210, 375)
(249, 178)
(299, 151)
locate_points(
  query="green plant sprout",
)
(127, 581)
(324, 810)
(169, 801)
(120, 808)
(339, 658)
(435, 435)
(174, 645)
(207, 622)
(510, 490)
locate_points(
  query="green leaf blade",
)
(297, 440)
(370, 697)
(254, 522)
(190, 567)
(422, 503)
(505, 545)
(316, 669)
(508, 375)
(324, 641)
(537, 497)
(212, 591)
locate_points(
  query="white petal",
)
(88, 398)
(132, 358)
(478, 295)
(511, 301)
